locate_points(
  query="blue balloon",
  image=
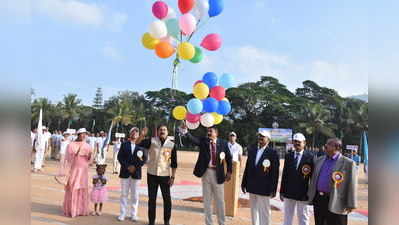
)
(211, 105)
(226, 80)
(224, 107)
(215, 7)
(194, 106)
(211, 79)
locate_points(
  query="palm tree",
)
(70, 108)
(46, 106)
(315, 120)
(122, 112)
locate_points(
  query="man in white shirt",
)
(235, 148)
(102, 148)
(41, 143)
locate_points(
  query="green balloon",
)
(198, 56)
(173, 27)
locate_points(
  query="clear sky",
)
(75, 46)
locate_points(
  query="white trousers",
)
(100, 159)
(212, 190)
(39, 157)
(132, 186)
(302, 210)
(260, 209)
(115, 165)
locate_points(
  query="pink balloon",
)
(169, 39)
(197, 82)
(212, 42)
(187, 24)
(218, 92)
(160, 9)
(193, 118)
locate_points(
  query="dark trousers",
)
(323, 216)
(153, 183)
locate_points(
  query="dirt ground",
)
(47, 198)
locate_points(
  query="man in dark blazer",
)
(298, 167)
(132, 158)
(210, 167)
(260, 178)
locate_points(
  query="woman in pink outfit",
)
(78, 158)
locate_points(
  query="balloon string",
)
(199, 26)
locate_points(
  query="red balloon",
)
(212, 42)
(186, 5)
(218, 92)
(197, 82)
(193, 118)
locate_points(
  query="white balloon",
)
(201, 8)
(192, 126)
(158, 29)
(171, 13)
(207, 120)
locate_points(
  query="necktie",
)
(296, 159)
(213, 151)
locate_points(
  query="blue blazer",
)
(204, 157)
(126, 159)
(255, 179)
(294, 183)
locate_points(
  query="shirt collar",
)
(263, 148)
(299, 153)
(334, 157)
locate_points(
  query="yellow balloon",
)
(218, 118)
(201, 91)
(186, 51)
(148, 41)
(179, 112)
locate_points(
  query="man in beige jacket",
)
(333, 186)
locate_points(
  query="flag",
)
(92, 126)
(365, 148)
(39, 137)
(107, 140)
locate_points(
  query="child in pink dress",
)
(99, 193)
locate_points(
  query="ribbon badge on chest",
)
(222, 155)
(140, 155)
(306, 170)
(338, 178)
(167, 153)
(266, 165)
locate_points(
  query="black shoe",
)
(166, 223)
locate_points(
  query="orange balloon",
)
(164, 50)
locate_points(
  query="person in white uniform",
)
(41, 143)
(102, 148)
(235, 148)
(298, 167)
(115, 165)
(64, 144)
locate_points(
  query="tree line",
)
(318, 112)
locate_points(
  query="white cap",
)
(299, 137)
(134, 128)
(265, 133)
(44, 128)
(66, 132)
(232, 134)
(81, 130)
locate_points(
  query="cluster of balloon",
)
(210, 104)
(170, 36)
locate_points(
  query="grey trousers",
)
(211, 190)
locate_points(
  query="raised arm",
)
(184, 131)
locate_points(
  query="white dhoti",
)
(302, 210)
(211, 190)
(260, 209)
(132, 186)
(39, 157)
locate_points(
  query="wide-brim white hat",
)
(82, 130)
